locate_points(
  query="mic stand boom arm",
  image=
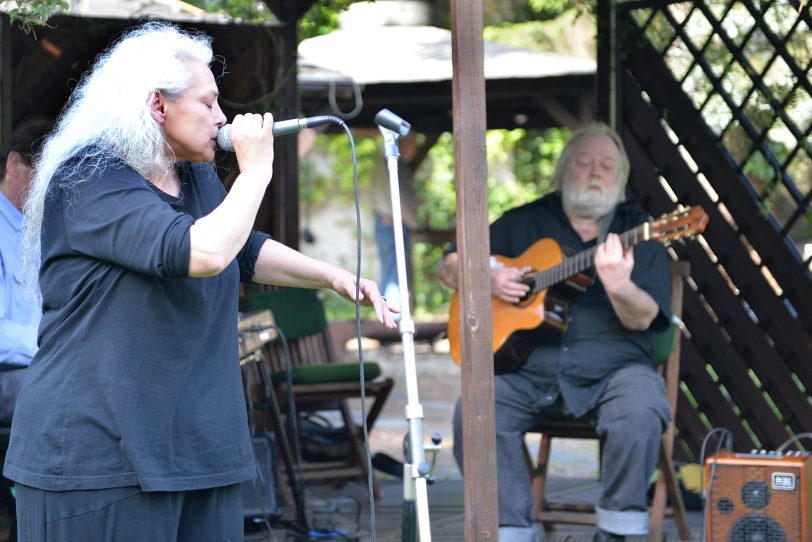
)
(416, 469)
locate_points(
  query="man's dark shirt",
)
(578, 363)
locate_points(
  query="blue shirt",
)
(20, 311)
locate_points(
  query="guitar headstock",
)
(679, 224)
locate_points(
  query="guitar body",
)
(518, 327)
(512, 322)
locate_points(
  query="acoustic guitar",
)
(554, 278)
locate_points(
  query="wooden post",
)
(606, 77)
(5, 77)
(282, 211)
(285, 186)
(479, 439)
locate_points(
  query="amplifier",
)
(761, 497)
(260, 497)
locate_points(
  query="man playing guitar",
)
(599, 365)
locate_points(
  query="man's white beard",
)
(587, 203)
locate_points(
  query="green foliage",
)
(549, 9)
(337, 308)
(247, 11)
(31, 13)
(322, 18)
(327, 171)
(521, 163)
(499, 12)
(571, 33)
(435, 186)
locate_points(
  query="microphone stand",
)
(415, 468)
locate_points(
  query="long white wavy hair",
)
(108, 114)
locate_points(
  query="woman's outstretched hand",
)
(345, 285)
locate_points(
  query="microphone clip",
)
(391, 127)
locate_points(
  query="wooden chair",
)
(319, 382)
(667, 350)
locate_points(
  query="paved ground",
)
(438, 382)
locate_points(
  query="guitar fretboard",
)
(582, 261)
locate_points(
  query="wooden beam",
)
(511, 103)
(473, 241)
(423, 150)
(558, 110)
(283, 205)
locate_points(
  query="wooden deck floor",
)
(345, 513)
(573, 469)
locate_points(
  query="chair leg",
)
(380, 399)
(294, 492)
(667, 486)
(658, 503)
(539, 479)
(528, 462)
(358, 449)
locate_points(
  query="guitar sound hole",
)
(530, 281)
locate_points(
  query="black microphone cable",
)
(362, 380)
(224, 141)
(793, 440)
(725, 439)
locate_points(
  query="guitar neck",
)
(583, 260)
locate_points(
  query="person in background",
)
(384, 224)
(132, 424)
(20, 311)
(601, 367)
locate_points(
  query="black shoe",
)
(388, 464)
(603, 536)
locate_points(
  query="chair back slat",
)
(297, 311)
(299, 314)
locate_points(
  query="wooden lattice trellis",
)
(714, 100)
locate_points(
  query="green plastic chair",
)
(319, 382)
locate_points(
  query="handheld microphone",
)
(280, 128)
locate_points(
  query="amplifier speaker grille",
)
(758, 499)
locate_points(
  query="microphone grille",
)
(224, 138)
